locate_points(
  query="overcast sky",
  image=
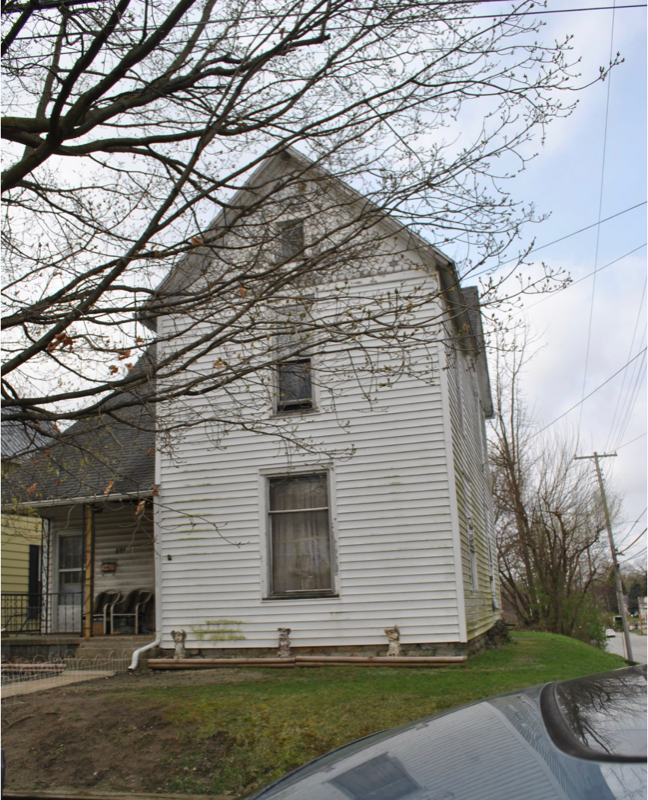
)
(566, 181)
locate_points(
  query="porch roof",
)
(98, 459)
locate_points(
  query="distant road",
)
(638, 643)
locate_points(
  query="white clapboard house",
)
(255, 537)
(386, 521)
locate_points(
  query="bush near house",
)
(225, 732)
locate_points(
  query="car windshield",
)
(602, 717)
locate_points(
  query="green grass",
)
(242, 735)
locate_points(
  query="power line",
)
(633, 524)
(625, 549)
(636, 555)
(584, 278)
(562, 238)
(630, 398)
(634, 333)
(590, 394)
(641, 435)
(598, 229)
(554, 11)
(633, 396)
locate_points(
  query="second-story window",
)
(294, 387)
(291, 240)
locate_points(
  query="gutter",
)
(72, 501)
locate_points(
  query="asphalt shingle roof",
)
(108, 455)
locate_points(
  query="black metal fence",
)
(25, 613)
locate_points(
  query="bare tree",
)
(548, 511)
(131, 124)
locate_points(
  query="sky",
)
(565, 181)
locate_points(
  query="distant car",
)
(583, 739)
(610, 632)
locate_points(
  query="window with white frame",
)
(300, 535)
(294, 385)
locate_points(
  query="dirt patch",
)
(97, 735)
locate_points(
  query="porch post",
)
(88, 570)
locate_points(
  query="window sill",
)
(301, 596)
(298, 412)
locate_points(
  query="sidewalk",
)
(64, 679)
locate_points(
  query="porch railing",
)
(52, 612)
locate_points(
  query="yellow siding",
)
(17, 534)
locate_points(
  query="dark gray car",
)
(582, 739)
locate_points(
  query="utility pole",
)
(619, 589)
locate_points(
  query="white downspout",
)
(157, 549)
(158, 601)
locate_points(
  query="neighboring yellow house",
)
(20, 572)
(21, 542)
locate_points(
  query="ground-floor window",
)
(300, 535)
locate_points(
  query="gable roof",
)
(184, 272)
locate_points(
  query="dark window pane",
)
(294, 385)
(291, 240)
(71, 578)
(71, 552)
(301, 551)
(298, 491)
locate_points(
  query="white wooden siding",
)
(114, 528)
(120, 536)
(474, 497)
(391, 520)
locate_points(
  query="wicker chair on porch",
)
(103, 605)
(134, 605)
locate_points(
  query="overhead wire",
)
(552, 11)
(569, 410)
(636, 379)
(598, 229)
(634, 541)
(631, 528)
(562, 239)
(641, 435)
(634, 333)
(573, 283)
(636, 555)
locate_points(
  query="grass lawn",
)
(264, 728)
(226, 732)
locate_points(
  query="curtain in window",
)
(301, 553)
